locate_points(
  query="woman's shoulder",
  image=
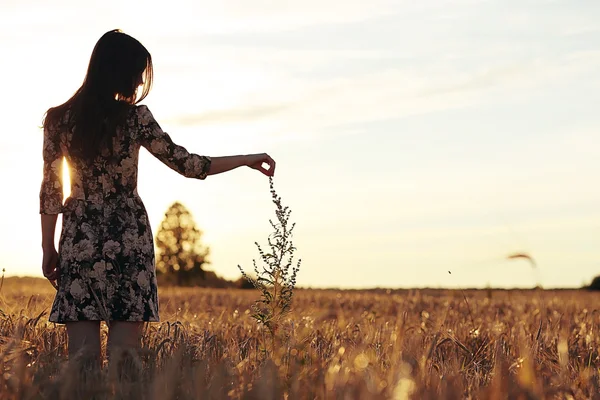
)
(58, 118)
(143, 114)
(136, 109)
(139, 107)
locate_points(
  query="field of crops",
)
(417, 344)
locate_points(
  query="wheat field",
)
(405, 344)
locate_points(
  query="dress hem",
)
(63, 321)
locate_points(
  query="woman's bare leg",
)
(124, 341)
(84, 340)
(125, 334)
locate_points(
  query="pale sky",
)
(411, 138)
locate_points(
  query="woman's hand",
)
(50, 265)
(255, 161)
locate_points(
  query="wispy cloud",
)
(268, 16)
(230, 115)
(315, 105)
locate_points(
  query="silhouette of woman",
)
(104, 268)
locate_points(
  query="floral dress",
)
(106, 250)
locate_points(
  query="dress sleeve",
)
(51, 191)
(159, 143)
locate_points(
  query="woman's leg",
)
(84, 340)
(125, 334)
(124, 341)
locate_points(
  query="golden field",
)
(405, 344)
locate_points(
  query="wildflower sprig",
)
(276, 276)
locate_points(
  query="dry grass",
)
(417, 344)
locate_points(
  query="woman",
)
(104, 269)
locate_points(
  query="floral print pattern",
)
(106, 249)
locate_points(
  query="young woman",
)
(104, 268)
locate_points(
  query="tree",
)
(180, 253)
(595, 285)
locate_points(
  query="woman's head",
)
(119, 65)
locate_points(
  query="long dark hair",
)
(118, 66)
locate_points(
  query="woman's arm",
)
(191, 165)
(51, 199)
(51, 190)
(48, 227)
(255, 161)
(50, 259)
(161, 146)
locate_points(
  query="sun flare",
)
(66, 178)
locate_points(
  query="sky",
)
(412, 139)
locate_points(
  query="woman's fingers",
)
(50, 266)
(267, 172)
(271, 163)
(52, 275)
(264, 159)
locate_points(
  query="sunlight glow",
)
(66, 177)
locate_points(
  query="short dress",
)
(106, 250)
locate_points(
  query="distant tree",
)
(180, 254)
(243, 283)
(595, 285)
